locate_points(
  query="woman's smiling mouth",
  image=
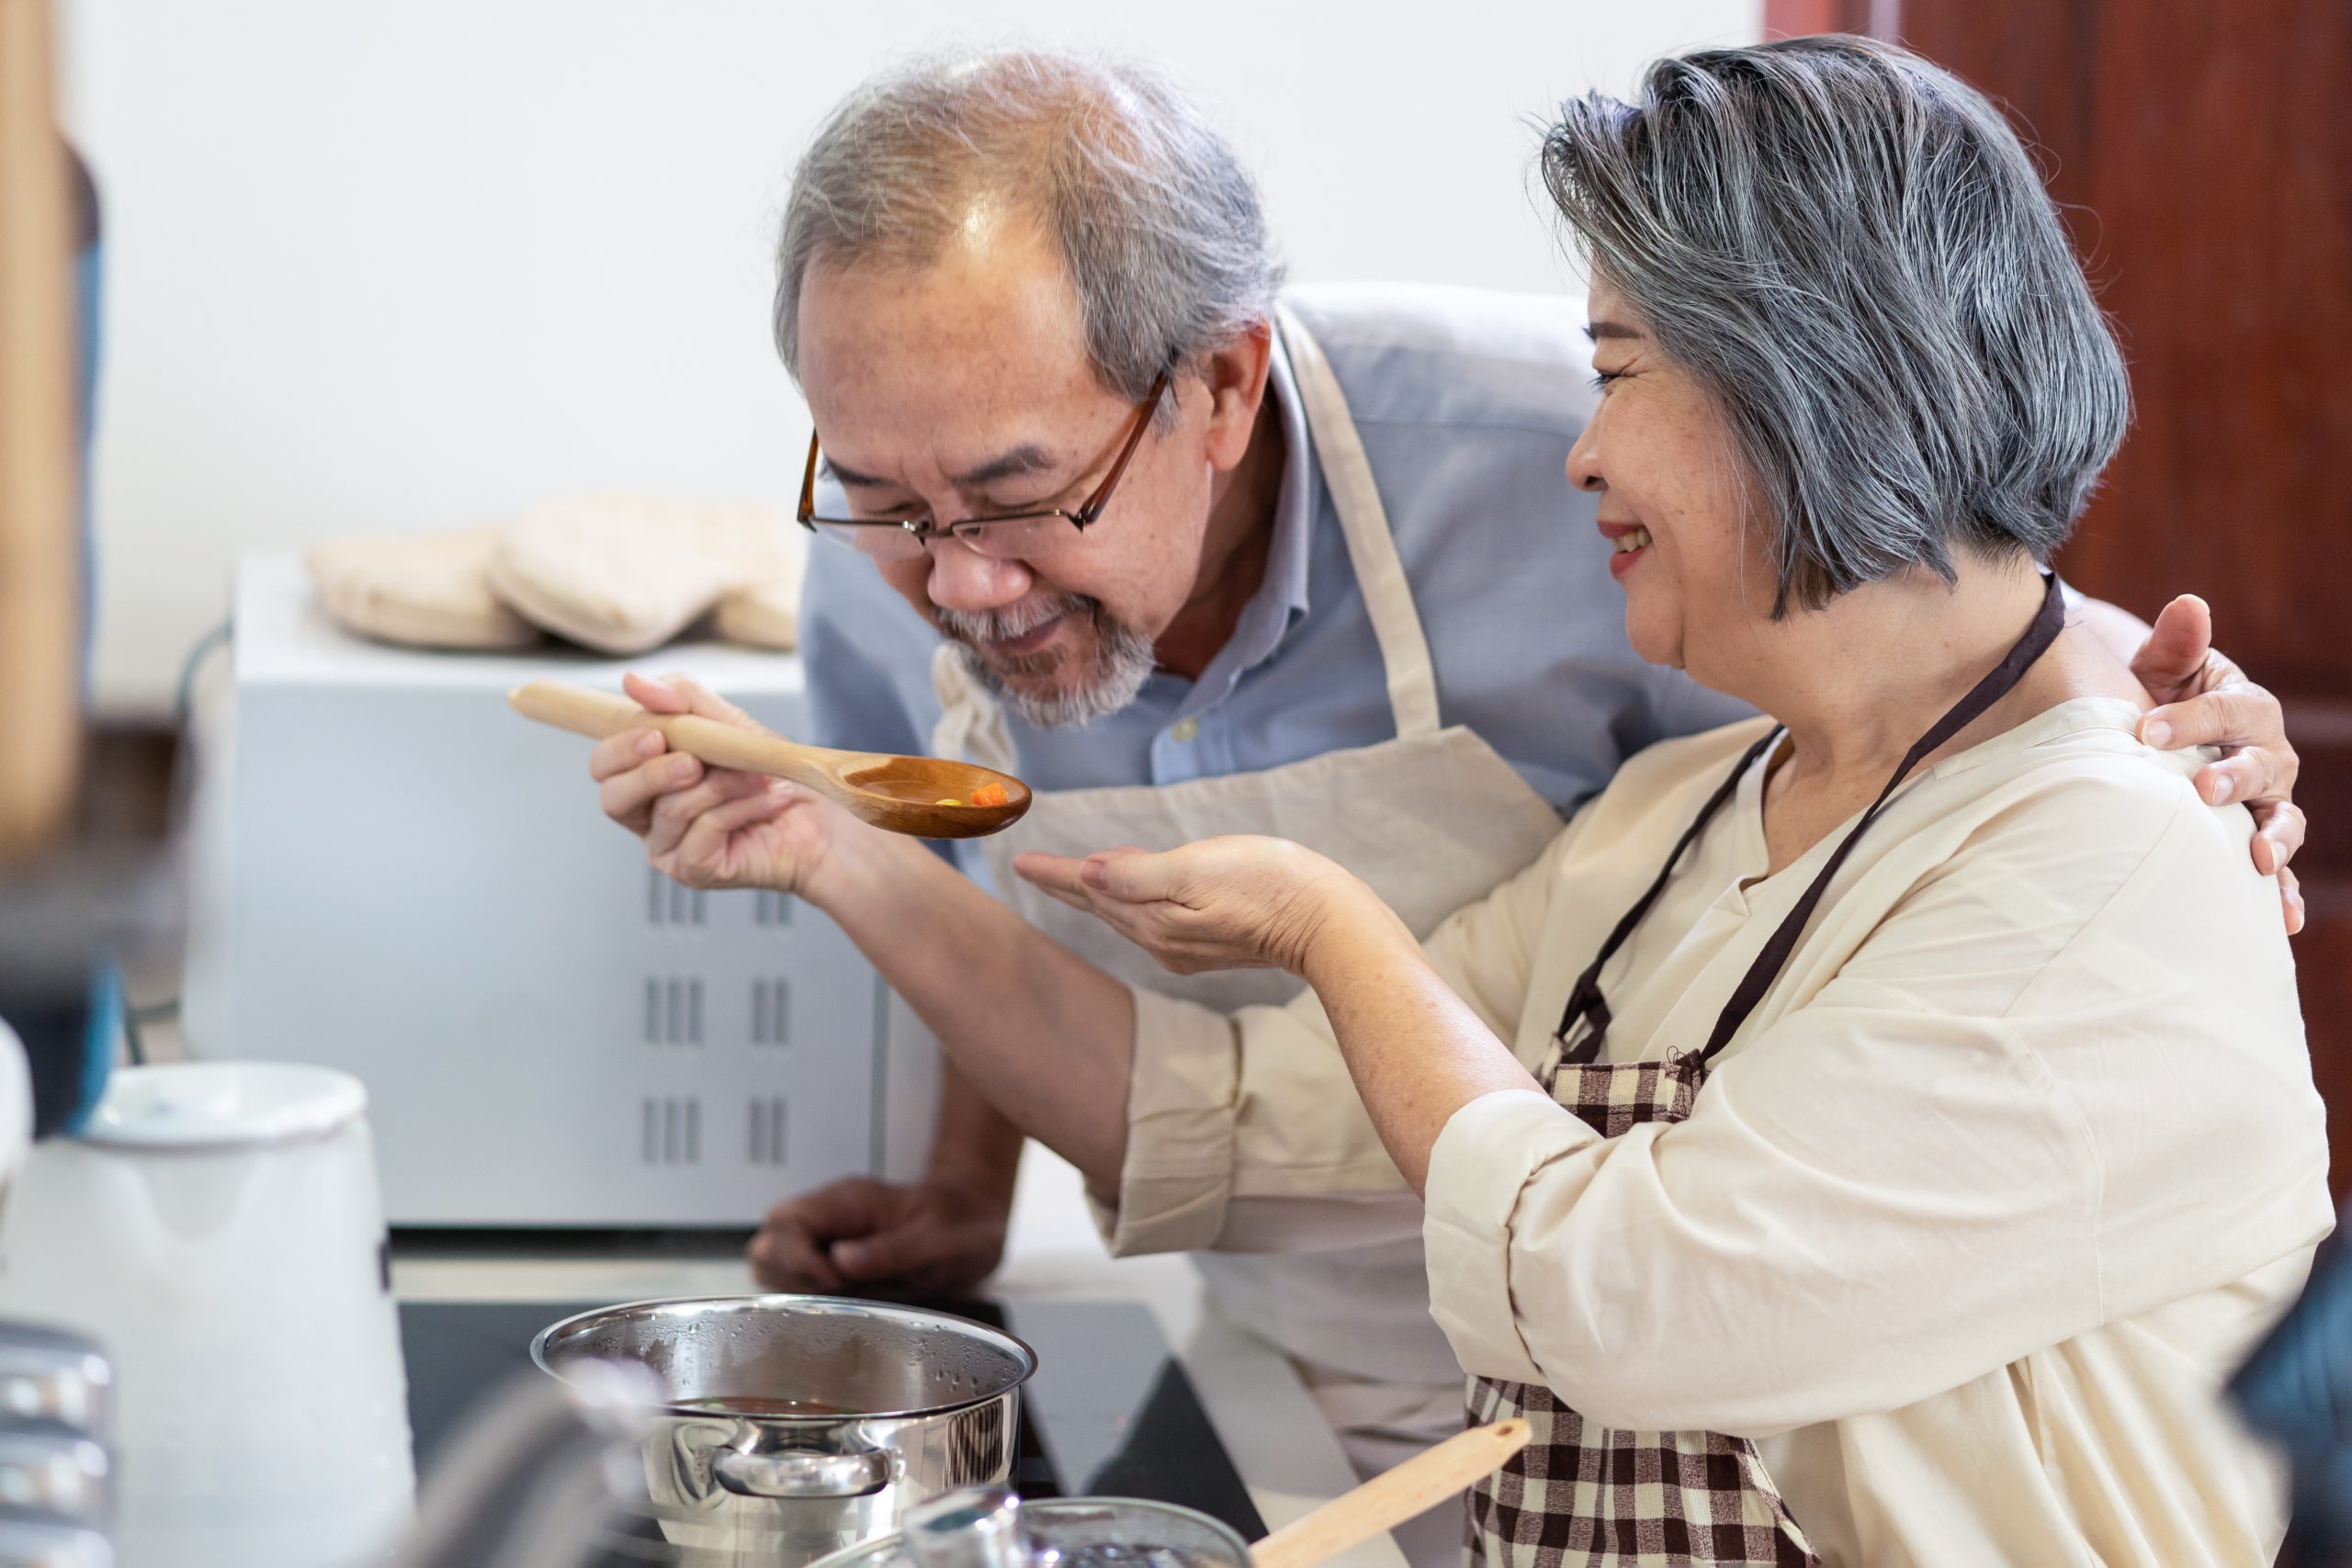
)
(1626, 543)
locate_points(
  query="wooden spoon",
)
(1393, 1496)
(41, 584)
(902, 795)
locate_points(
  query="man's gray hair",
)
(1155, 218)
(1853, 252)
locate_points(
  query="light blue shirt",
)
(1468, 403)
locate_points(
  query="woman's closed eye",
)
(1603, 380)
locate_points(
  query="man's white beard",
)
(1122, 659)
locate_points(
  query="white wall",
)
(382, 264)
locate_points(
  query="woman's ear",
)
(1235, 376)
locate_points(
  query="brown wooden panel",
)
(2217, 180)
(1796, 19)
(2324, 972)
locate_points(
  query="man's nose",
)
(963, 579)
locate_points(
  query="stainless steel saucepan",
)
(792, 1426)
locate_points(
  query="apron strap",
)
(1372, 548)
(2047, 624)
(970, 727)
(1586, 1001)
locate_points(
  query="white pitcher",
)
(216, 1228)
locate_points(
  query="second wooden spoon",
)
(1393, 1496)
(902, 795)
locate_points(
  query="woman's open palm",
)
(1243, 902)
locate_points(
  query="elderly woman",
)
(1868, 1134)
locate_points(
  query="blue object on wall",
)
(89, 271)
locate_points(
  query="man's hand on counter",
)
(936, 1237)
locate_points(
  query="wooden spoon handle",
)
(1390, 1498)
(600, 713)
(41, 584)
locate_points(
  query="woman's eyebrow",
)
(1599, 330)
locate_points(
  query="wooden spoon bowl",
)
(927, 798)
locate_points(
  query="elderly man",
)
(1195, 556)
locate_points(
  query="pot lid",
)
(203, 1105)
(992, 1527)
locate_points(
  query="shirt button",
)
(1184, 729)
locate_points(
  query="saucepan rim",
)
(912, 1316)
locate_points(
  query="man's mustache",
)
(979, 628)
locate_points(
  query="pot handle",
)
(802, 1473)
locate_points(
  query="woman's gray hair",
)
(1157, 220)
(1853, 252)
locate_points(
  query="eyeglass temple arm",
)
(809, 486)
(1093, 507)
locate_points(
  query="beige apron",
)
(1432, 819)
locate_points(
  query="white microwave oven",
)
(393, 874)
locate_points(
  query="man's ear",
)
(1235, 376)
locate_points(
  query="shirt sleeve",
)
(1244, 1129)
(1967, 1146)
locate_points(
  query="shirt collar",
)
(1281, 598)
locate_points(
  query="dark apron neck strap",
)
(2047, 624)
(1585, 1003)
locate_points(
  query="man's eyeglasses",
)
(1010, 536)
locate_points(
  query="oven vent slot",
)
(670, 1132)
(771, 1012)
(767, 1146)
(669, 906)
(673, 1011)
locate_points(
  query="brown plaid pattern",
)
(1615, 1099)
(1582, 1496)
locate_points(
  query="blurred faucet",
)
(533, 1481)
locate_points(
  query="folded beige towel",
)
(423, 590)
(626, 574)
(765, 614)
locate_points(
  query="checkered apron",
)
(1584, 1496)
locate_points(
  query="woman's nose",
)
(1584, 461)
(963, 579)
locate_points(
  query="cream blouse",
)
(1999, 1180)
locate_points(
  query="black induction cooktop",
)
(1109, 1413)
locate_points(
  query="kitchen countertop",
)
(1278, 1441)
